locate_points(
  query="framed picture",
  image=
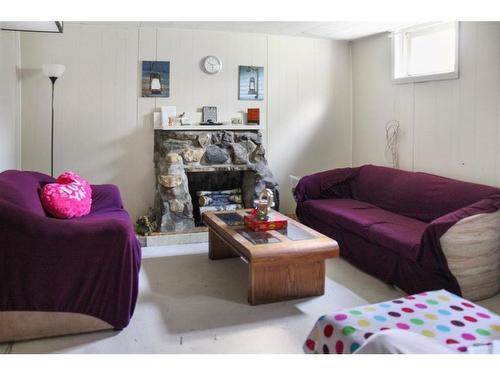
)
(251, 85)
(156, 79)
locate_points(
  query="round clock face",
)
(212, 64)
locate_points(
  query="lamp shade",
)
(34, 26)
(53, 70)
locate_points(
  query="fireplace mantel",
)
(210, 127)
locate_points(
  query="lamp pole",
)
(53, 80)
(53, 72)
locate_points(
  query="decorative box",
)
(275, 221)
(253, 116)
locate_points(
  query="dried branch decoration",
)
(392, 142)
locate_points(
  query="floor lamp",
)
(53, 72)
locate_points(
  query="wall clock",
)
(212, 64)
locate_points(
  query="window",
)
(425, 53)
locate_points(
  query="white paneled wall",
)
(309, 108)
(191, 88)
(104, 126)
(9, 100)
(96, 132)
(451, 127)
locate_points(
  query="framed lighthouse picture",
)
(156, 79)
(251, 85)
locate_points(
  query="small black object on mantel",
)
(209, 122)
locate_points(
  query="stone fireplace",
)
(190, 162)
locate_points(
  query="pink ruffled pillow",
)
(70, 196)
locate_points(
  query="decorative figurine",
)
(264, 206)
(183, 119)
(262, 218)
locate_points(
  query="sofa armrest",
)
(487, 205)
(323, 185)
(472, 249)
(432, 253)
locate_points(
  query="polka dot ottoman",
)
(439, 315)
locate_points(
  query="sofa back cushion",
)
(415, 194)
(22, 188)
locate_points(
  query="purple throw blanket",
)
(87, 265)
(389, 222)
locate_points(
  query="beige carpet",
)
(189, 304)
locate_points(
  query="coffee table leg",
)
(218, 248)
(272, 283)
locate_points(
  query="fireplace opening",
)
(215, 190)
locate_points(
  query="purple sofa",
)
(80, 274)
(389, 222)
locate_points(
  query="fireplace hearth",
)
(212, 162)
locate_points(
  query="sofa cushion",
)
(418, 195)
(398, 233)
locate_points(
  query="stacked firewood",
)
(219, 200)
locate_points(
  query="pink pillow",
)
(70, 196)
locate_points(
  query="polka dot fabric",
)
(438, 315)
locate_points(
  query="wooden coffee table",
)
(283, 264)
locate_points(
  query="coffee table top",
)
(296, 241)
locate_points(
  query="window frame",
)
(404, 46)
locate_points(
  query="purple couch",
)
(84, 266)
(389, 222)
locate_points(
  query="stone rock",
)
(178, 192)
(265, 175)
(259, 154)
(168, 193)
(227, 138)
(183, 135)
(164, 168)
(217, 137)
(249, 146)
(255, 137)
(193, 155)
(173, 158)
(177, 169)
(215, 155)
(174, 145)
(188, 209)
(204, 139)
(169, 181)
(176, 206)
(240, 155)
